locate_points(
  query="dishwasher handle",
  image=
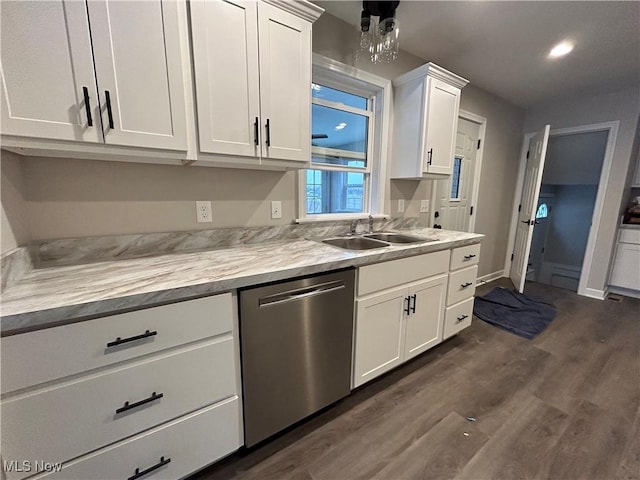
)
(299, 293)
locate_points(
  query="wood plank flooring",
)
(563, 406)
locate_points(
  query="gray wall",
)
(13, 193)
(625, 107)
(575, 159)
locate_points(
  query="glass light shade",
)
(388, 40)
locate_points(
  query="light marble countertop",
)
(54, 296)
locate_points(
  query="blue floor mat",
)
(514, 312)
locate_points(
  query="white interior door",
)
(528, 205)
(285, 84)
(453, 205)
(225, 53)
(47, 81)
(138, 63)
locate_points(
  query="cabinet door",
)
(626, 271)
(138, 64)
(379, 335)
(425, 321)
(285, 84)
(225, 53)
(442, 107)
(46, 64)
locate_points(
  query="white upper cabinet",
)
(252, 68)
(426, 105)
(225, 53)
(285, 84)
(138, 65)
(100, 71)
(47, 76)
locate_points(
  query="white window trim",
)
(365, 84)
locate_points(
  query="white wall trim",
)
(490, 277)
(623, 291)
(477, 167)
(603, 184)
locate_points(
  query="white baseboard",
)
(594, 293)
(624, 291)
(490, 277)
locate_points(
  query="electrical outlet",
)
(203, 212)
(276, 209)
(401, 205)
(424, 206)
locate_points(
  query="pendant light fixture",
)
(379, 39)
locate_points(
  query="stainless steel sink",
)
(399, 237)
(355, 243)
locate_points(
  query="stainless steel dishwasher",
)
(296, 341)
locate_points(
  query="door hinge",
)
(471, 211)
(478, 144)
(512, 257)
(520, 207)
(527, 154)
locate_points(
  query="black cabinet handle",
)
(415, 299)
(465, 285)
(469, 257)
(430, 155)
(87, 107)
(256, 132)
(407, 309)
(129, 406)
(107, 96)
(138, 473)
(459, 319)
(120, 341)
(268, 129)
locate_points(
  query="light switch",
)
(424, 206)
(276, 209)
(401, 205)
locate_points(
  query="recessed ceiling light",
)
(561, 49)
(340, 126)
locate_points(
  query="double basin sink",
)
(369, 241)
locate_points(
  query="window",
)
(543, 211)
(346, 148)
(455, 178)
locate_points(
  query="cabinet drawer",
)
(462, 285)
(458, 317)
(465, 256)
(35, 357)
(190, 443)
(61, 423)
(625, 272)
(629, 235)
(372, 278)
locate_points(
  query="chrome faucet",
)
(370, 224)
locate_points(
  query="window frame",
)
(377, 90)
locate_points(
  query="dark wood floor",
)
(563, 406)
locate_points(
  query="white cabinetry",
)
(253, 79)
(426, 104)
(115, 80)
(626, 264)
(116, 381)
(462, 286)
(399, 312)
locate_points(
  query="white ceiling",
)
(502, 46)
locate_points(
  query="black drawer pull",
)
(163, 461)
(107, 96)
(120, 341)
(407, 309)
(468, 257)
(268, 130)
(459, 319)
(415, 300)
(87, 107)
(430, 155)
(256, 129)
(129, 406)
(465, 285)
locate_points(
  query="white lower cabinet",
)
(625, 272)
(171, 372)
(402, 317)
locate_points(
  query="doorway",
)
(454, 198)
(568, 203)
